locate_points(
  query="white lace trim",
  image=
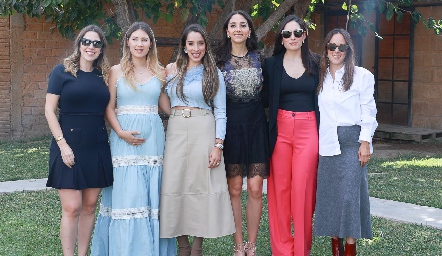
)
(118, 161)
(130, 213)
(105, 211)
(134, 109)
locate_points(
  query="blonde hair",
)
(210, 83)
(153, 64)
(72, 63)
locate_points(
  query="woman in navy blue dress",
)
(79, 157)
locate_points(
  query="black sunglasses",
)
(95, 43)
(332, 47)
(287, 33)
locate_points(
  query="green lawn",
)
(30, 220)
(24, 159)
(410, 179)
(391, 179)
(30, 226)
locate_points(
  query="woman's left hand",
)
(364, 153)
(215, 157)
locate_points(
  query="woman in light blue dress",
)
(128, 220)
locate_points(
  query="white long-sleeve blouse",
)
(353, 107)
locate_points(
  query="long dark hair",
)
(309, 59)
(349, 60)
(223, 52)
(210, 74)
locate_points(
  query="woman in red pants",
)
(290, 82)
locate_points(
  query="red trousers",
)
(291, 185)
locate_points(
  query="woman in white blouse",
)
(347, 124)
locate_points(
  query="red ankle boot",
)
(350, 249)
(337, 247)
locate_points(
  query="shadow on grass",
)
(410, 179)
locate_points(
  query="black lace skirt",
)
(246, 144)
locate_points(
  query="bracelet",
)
(57, 139)
(219, 145)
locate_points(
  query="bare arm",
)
(164, 103)
(111, 115)
(50, 113)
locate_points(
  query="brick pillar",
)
(16, 51)
(5, 76)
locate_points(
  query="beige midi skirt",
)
(194, 198)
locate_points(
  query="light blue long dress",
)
(128, 220)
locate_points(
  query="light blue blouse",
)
(192, 89)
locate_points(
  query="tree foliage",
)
(70, 15)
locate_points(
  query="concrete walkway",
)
(392, 210)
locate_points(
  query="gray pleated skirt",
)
(194, 198)
(342, 199)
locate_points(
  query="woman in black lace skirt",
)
(246, 144)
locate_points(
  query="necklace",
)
(242, 55)
(141, 71)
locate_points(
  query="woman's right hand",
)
(129, 137)
(66, 153)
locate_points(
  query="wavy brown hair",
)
(72, 63)
(349, 60)
(210, 82)
(151, 58)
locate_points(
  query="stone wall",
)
(5, 78)
(29, 50)
(427, 74)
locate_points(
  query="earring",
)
(248, 36)
(303, 40)
(228, 36)
(185, 50)
(282, 43)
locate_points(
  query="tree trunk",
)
(124, 10)
(190, 20)
(215, 33)
(265, 27)
(301, 8)
(245, 5)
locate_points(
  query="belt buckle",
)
(185, 112)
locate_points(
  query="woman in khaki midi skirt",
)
(194, 196)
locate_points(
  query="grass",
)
(410, 179)
(30, 226)
(391, 179)
(24, 159)
(30, 220)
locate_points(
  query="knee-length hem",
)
(83, 100)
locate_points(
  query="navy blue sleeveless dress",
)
(82, 103)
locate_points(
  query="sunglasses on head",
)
(95, 43)
(332, 47)
(287, 33)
